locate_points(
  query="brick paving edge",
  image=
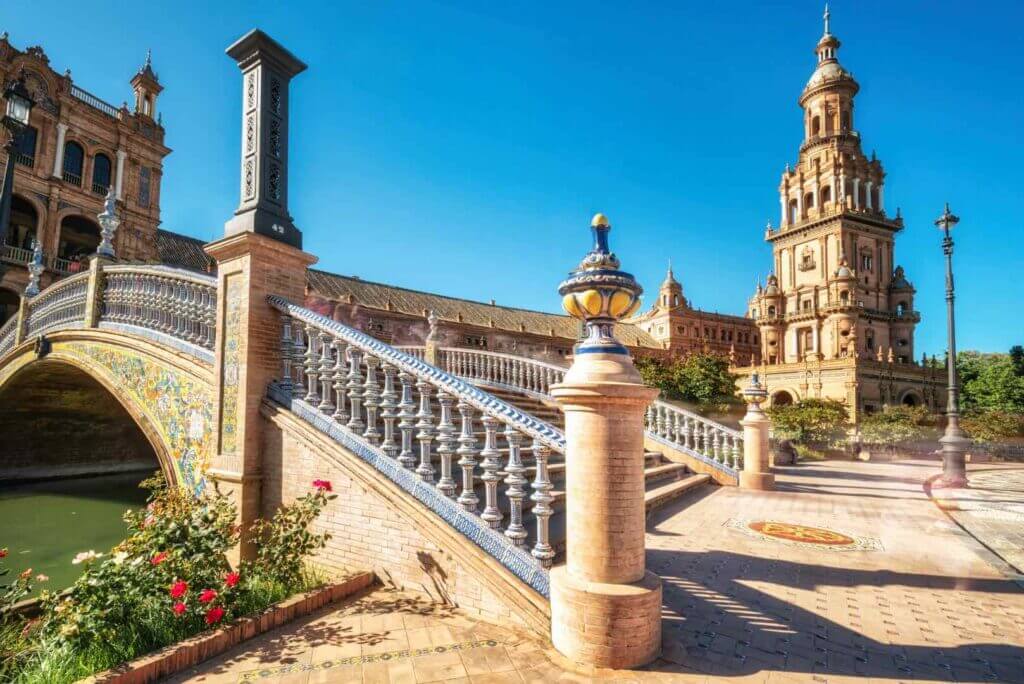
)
(979, 547)
(194, 650)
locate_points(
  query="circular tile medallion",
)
(801, 533)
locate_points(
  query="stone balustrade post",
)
(756, 473)
(261, 254)
(21, 325)
(605, 604)
(94, 290)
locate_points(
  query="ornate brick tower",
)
(836, 295)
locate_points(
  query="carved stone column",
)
(605, 605)
(253, 262)
(756, 473)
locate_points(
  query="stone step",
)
(661, 495)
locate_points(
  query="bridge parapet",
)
(169, 305)
(330, 376)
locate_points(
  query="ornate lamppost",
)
(954, 444)
(15, 120)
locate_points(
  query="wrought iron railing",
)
(170, 301)
(93, 101)
(24, 159)
(334, 373)
(73, 178)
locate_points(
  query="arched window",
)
(101, 174)
(826, 194)
(844, 121)
(844, 297)
(809, 200)
(771, 311)
(675, 300)
(79, 237)
(901, 308)
(816, 125)
(794, 213)
(21, 230)
(74, 160)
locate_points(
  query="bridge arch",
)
(165, 394)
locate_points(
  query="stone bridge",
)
(511, 488)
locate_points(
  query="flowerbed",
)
(167, 581)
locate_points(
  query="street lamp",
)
(15, 120)
(954, 444)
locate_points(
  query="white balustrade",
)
(62, 305)
(501, 370)
(428, 420)
(714, 443)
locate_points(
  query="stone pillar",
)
(756, 472)
(94, 290)
(21, 325)
(119, 180)
(58, 154)
(605, 605)
(252, 263)
(856, 193)
(267, 68)
(431, 346)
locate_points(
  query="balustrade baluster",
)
(706, 438)
(649, 419)
(286, 354)
(326, 371)
(340, 382)
(515, 486)
(425, 425)
(446, 444)
(716, 436)
(737, 449)
(355, 391)
(542, 500)
(687, 432)
(388, 414)
(467, 458)
(312, 394)
(371, 400)
(407, 421)
(490, 464)
(299, 360)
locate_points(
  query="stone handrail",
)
(715, 444)
(505, 370)
(93, 101)
(62, 305)
(175, 302)
(335, 370)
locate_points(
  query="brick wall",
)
(377, 526)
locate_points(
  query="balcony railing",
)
(16, 255)
(24, 159)
(73, 178)
(101, 189)
(93, 101)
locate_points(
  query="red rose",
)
(178, 589)
(179, 608)
(159, 558)
(231, 579)
(323, 485)
(214, 615)
(3, 553)
(207, 595)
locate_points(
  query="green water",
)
(44, 524)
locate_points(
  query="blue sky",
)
(461, 147)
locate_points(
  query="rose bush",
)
(169, 579)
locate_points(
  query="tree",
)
(701, 378)
(810, 421)
(897, 425)
(992, 426)
(992, 382)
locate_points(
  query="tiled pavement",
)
(992, 509)
(914, 600)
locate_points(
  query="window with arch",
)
(771, 311)
(844, 121)
(794, 211)
(74, 161)
(844, 297)
(901, 308)
(101, 171)
(809, 200)
(675, 300)
(816, 125)
(826, 194)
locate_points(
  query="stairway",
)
(665, 481)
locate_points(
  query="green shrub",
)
(701, 378)
(817, 421)
(992, 426)
(897, 425)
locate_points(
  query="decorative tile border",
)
(517, 560)
(266, 673)
(788, 534)
(204, 355)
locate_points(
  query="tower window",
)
(866, 262)
(844, 121)
(816, 125)
(809, 200)
(25, 153)
(826, 194)
(794, 213)
(74, 159)
(101, 174)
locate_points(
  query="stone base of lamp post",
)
(954, 462)
(605, 606)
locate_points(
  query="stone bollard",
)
(755, 473)
(605, 605)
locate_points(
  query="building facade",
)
(76, 148)
(837, 317)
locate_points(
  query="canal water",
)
(44, 524)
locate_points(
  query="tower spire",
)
(827, 17)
